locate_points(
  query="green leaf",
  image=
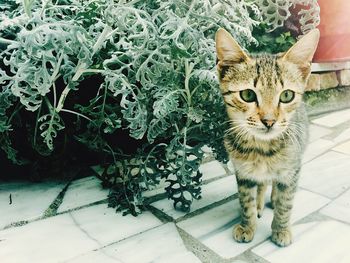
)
(50, 124)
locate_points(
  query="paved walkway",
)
(83, 229)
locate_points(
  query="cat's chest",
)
(261, 168)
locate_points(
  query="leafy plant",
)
(274, 42)
(133, 83)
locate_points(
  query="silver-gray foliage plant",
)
(157, 62)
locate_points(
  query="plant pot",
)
(334, 45)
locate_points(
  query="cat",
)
(268, 128)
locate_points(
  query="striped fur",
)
(260, 154)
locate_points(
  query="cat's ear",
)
(228, 50)
(302, 52)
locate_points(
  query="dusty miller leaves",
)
(157, 62)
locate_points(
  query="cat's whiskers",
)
(292, 136)
(227, 121)
(295, 124)
(234, 130)
(297, 130)
(239, 130)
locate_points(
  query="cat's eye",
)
(287, 96)
(248, 95)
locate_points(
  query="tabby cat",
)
(268, 127)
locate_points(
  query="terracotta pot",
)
(334, 43)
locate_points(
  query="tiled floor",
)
(83, 230)
(316, 242)
(82, 192)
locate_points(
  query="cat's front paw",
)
(243, 234)
(282, 237)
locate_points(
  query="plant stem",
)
(91, 70)
(101, 39)
(54, 95)
(45, 3)
(81, 67)
(27, 4)
(77, 113)
(17, 109)
(37, 124)
(8, 41)
(104, 102)
(188, 69)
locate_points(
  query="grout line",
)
(103, 201)
(157, 197)
(101, 248)
(208, 181)
(338, 151)
(163, 217)
(314, 217)
(251, 257)
(52, 209)
(131, 236)
(77, 225)
(221, 228)
(201, 251)
(25, 222)
(335, 219)
(207, 208)
(16, 224)
(327, 151)
(154, 198)
(49, 212)
(317, 156)
(311, 191)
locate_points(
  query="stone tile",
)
(211, 193)
(65, 236)
(343, 136)
(95, 256)
(51, 240)
(306, 203)
(333, 119)
(344, 77)
(215, 227)
(317, 132)
(230, 167)
(339, 208)
(327, 175)
(211, 170)
(314, 83)
(316, 148)
(83, 192)
(29, 200)
(343, 148)
(97, 222)
(161, 244)
(321, 242)
(212, 221)
(329, 80)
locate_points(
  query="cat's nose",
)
(268, 122)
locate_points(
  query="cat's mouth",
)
(267, 133)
